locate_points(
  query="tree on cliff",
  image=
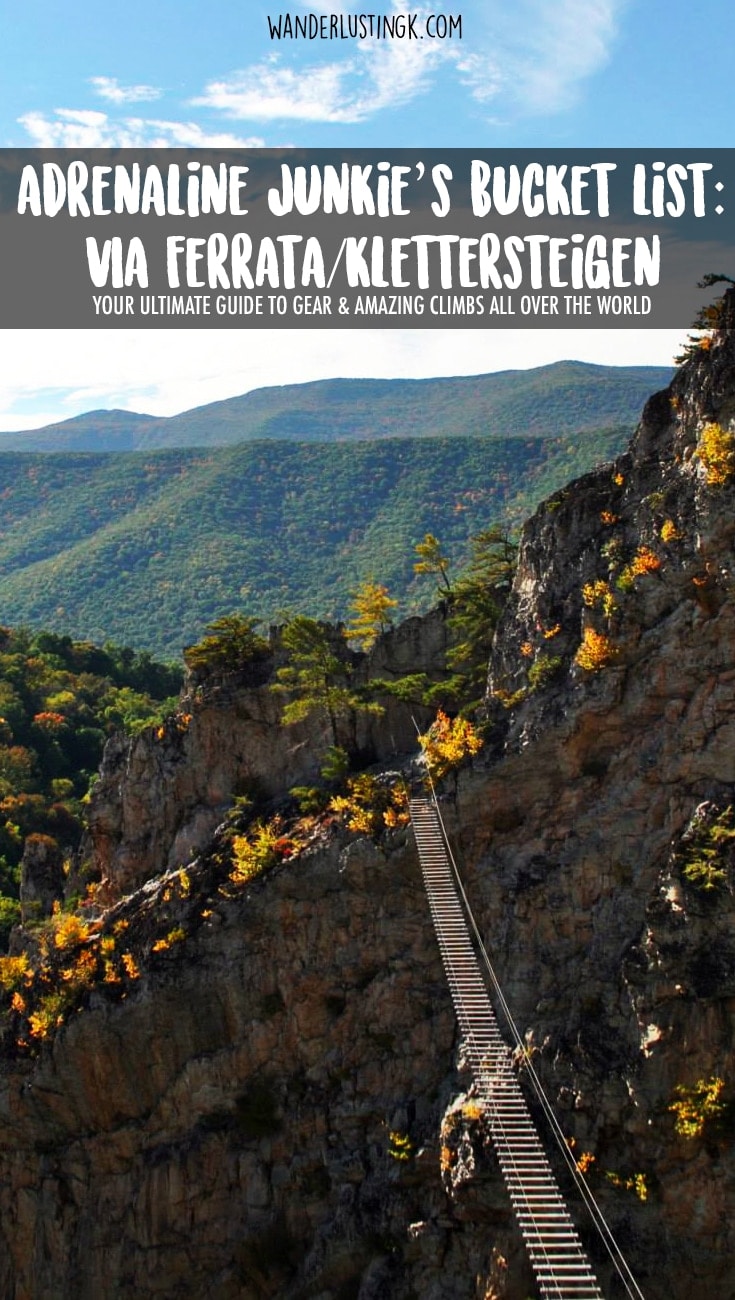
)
(371, 608)
(478, 598)
(230, 643)
(316, 677)
(433, 560)
(708, 318)
(474, 602)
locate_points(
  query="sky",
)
(534, 73)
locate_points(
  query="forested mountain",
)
(147, 548)
(566, 397)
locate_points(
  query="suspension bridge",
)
(558, 1258)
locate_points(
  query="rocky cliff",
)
(161, 796)
(265, 1099)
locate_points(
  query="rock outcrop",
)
(271, 1105)
(41, 877)
(161, 794)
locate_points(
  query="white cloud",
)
(481, 76)
(73, 128)
(376, 75)
(269, 92)
(530, 61)
(109, 88)
(544, 52)
(324, 6)
(398, 71)
(533, 61)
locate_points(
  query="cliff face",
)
(224, 1128)
(272, 1108)
(606, 783)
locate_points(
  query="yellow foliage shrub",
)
(716, 451)
(132, 969)
(48, 1016)
(397, 814)
(369, 805)
(69, 930)
(447, 743)
(669, 531)
(356, 810)
(694, 1106)
(510, 699)
(255, 852)
(174, 936)
(644, 561)
(598, 594)
(596, 651)
(636, 1183)
(400, 1146)
(82, 971)
(446, 1158)
(14, 971)
(473, 1110)
(184, 883)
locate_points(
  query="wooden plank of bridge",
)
(558, 1259)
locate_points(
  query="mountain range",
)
(566, 397)
(146, 546)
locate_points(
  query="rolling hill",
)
(146, 548)
(141, 530)
(567, 397)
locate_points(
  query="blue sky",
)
(574, 73)
(600, 73)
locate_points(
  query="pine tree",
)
(432, 560)
(231, 643)
(371, 606)
(316, 677)
(477, 601)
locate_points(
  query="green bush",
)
(705, 851)
(231, 644)
(9, 916)
(693, 1107)
(542, 670)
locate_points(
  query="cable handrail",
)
(453, 878)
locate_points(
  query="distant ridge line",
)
(563, 397)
